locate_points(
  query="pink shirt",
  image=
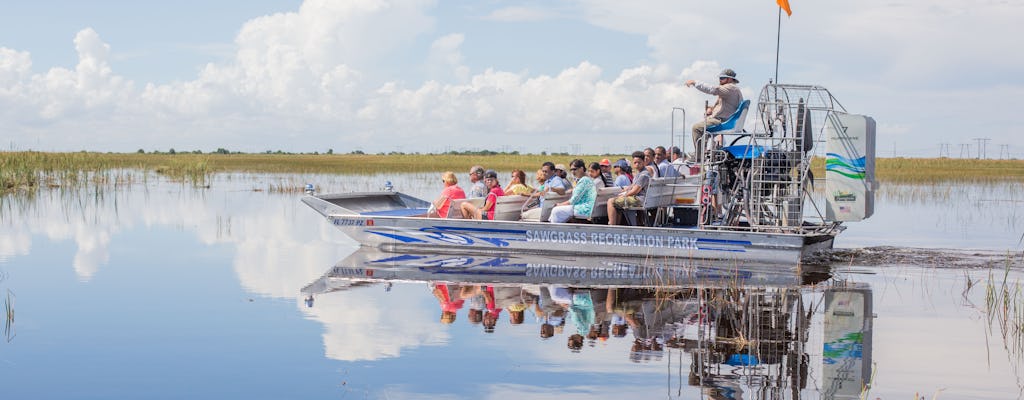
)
(492, 199)
(453, 192)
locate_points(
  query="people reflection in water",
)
(575, 342)
(449, 300)
(722, 330)
(644, 321)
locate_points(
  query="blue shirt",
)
(666, 169)
(554, 181)
(622, 181)
(478, 190)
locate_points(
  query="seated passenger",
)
(575, 166)
(661, 158)
(679, 161)
(552, 183)
(560, 173)
(451, 191)
(581, 204)
(517, 184)
(606, 173)
(470, 211)
(633, 196)
(623, 174)
(595, 172)
(476, 176)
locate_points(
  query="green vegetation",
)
(28, 170)
(935, 170)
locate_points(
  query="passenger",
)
(581, 204)
(539, 178)
(551, 183)
(491, 181)
(575, 166)
(451, 191)
(665, 168)
(729, 99)
(594, 172)
(678, 161)
(606, 173)
(650, 163)
(561, 173)
(476, 177)
(632, 196)
(517, 184)
(623, 177)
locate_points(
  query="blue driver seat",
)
(735, 121)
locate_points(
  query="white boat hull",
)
(517, 237)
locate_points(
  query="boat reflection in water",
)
(725, 332)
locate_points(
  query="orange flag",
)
(785, 7)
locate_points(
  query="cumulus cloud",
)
(445, 59)
(324, 76)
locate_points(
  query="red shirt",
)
(492, 199)
(453, 192)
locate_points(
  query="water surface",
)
(162, 290)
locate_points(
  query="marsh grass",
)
(30, 170)
(937, 170)
(1004, 312)
(1004, 308)
(9, 317)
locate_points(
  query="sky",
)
(580, 76)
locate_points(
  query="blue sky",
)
(421, 75)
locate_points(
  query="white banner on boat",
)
(850, 167)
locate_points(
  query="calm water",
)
(160, 290)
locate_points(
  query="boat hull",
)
(370, 265)
(516, 237)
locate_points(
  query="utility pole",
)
(1002, 148)
(943, 150)
(965, 150)
(981, 147)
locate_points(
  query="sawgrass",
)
(30, 169)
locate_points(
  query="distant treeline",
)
(353, 152)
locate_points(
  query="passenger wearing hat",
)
(491, 180)
(560, 172)
(729, 99)
(606, 173)
(623, 172)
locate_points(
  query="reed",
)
(9, 317)
(1004, 309)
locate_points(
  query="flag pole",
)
(778, 36)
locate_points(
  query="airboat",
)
(753, 197)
